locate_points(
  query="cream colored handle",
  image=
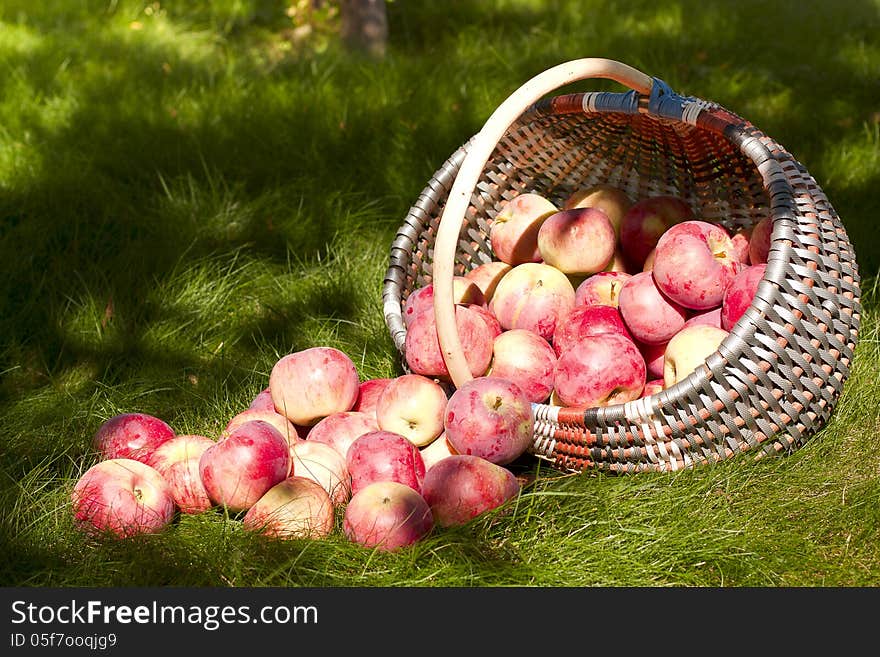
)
(472, 166)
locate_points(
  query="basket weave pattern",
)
(775, 379)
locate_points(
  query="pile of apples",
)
(603, 301)
(395, 456)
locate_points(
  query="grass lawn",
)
(190, 190)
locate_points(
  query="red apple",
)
(613, 201)
(653, 386)
(412, 405)
(287, 428)
(294, 508)
(577, 241)
(759, 243)
(384, 456)
(313, 383)
(602, 288)
(487, 275)
(178, 462)
(323, 465)
(694, 264)
(599, 371)
(122, 497)
(464, 291)
(491, 321)
(387, 515)
(740, 239)
(237, 470)
(644, 223)
(422, 345)
(650, 316)
(533, 296)
(526, 358)
(739, 294)
(490, 417)
(653, 355)
(262, 401)
(689, 349)
(340, 430)
(711, 317)
(461, 487)
(586, 321)
(131, 436)
(513, 233)
(368, 394)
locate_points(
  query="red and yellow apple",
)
(650, 316)
(340, 430)
(602, 288)
(178, 462)
(599, 370)
(526, 358)
(689, 349)
(578, 241)
(613, 201)
(412, 405)
(513, 233)
(422, 343)
(645, 221)
(297, 507)
(694, 263)
(131, 436)
(384, 456)
(533, 296)
(490, 417)
(387, 516)
(122, 497)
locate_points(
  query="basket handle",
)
(480, 150)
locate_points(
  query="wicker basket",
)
(774, 380)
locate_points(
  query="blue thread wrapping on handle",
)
(665, 102)
(607, 101)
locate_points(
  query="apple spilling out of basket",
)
(602, 301)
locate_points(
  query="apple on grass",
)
(644, 223)
(122, 497)
(694, 263)
(585, 321)
(368, 394)
(650, 316)
(311, 384)
(513, 234)
(323, 465)
(238, 469)
(340, 430)
(422, 343)
(487, 275)
(262, 401)
(461, 487)
(490, 417)
(178, 462)
(613, 201)
(297, 507)
(387, 516)
(601, 289)
(533, 296)
(412, 405)
(689, 349)
(286, 428)
(600, 370)
(739, 294)
(131, 436)
(577, 241)
(384, 456)
(526, 358)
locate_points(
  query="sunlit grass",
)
(185, 197)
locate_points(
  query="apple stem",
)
(497, 403)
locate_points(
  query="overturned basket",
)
(774, 380)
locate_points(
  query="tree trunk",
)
(365, 26)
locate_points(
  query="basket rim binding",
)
(662, 104)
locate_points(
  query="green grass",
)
(185, 196)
